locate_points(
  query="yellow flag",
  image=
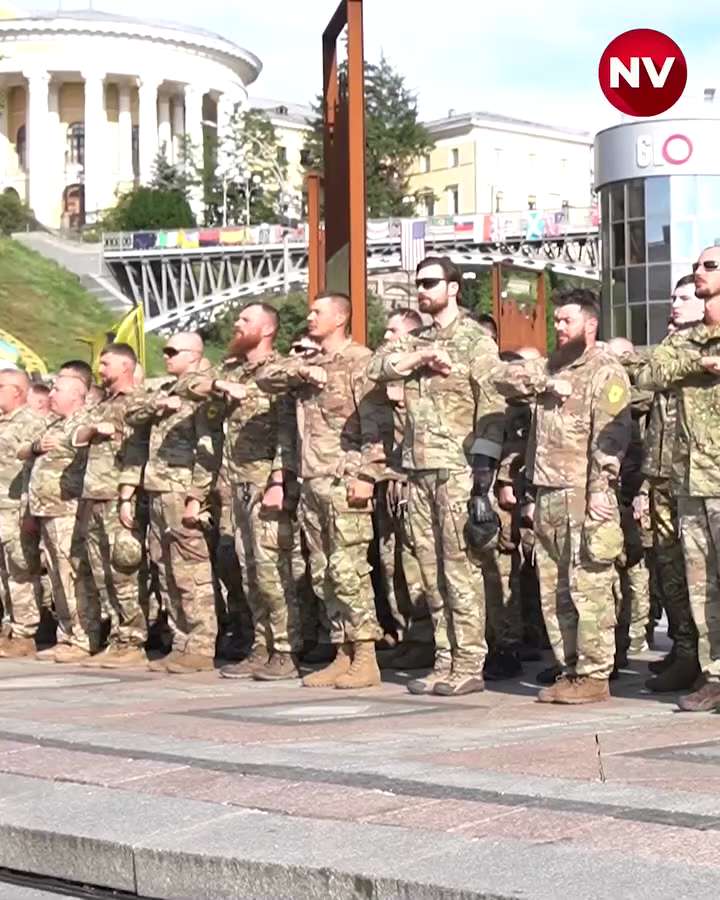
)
(129, 330)
(13, 350)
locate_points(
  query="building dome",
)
(88, 98)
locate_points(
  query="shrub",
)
(151, 209)
(14, 215)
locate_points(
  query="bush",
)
(148, 208)
(14, 215)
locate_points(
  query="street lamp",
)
(252, 181)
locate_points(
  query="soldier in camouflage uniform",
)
(105, 512)
(260, 462)
(580, 431)
(183, 460)
(453, 439)
(341, 455)
(679, 669)
(56, 483)
(399, 569)
(19, 537)
(689, 363)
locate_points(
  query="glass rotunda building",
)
(659, 186)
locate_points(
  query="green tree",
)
(14, 215)
(248, 156)
(150, 208)
(394, 139)
(182, 176)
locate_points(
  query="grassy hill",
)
(48, 309)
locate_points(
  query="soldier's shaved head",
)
(14, 387)
(329, 318)
(620, 346)
(187, 340)
(183, 352)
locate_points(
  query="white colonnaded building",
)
(88, 98)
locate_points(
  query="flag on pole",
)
(129, 330)
(412, 243)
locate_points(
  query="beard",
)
(241, 343)
(568, 353)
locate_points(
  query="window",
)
(532, 201)
(21, 147)
(75, 152)
(454, 158)
(425, 166)
(136, 150)
(498, 201)
(453, 199)
(282, 156)
(281, 110)
(427, 205)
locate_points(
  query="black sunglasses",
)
(710, 265)
(171, 351)
(427, 283)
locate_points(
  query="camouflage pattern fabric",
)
(21, 571)
(56, 478)
(501, 575)
(182, 557)
(16, 429)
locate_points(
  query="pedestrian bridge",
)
(185, 277)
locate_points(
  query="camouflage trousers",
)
(632, 585)
(501, 576)
(699, 519)
(118, 588)
(338, 539)
(576, 593)
(437, 516)
(75, 601)
(399, 569)
(185, 578)
(265, 541)
(233, 611)
(670, 568)
(20, 572)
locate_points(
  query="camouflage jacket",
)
(56, 478)
(126, 451)
(641, 401)
(16, 429)
(449, 418)
(260, 431)
(184, 445)
(518, 420)
(660, 436)
(578, 442)
(675, 364)
(338, 424)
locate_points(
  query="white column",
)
(194, 130)
(224, 115)
(125, 160)
(178, 127)
(36, 136)
(164, 126)
(95, 145)
(4, 143)
(55, 157)
(147, 93)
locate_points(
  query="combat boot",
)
(280, 667)
(160, 665)
(70, 653)
(501, 665)
(48, 654)
(458, 683)
(258, 657)
(18, 648)
(414, 655)
(575, 690)
(440, 672)
(328, 676)
(658, 666)
(126, 656)
(549, 675)
(320, 653)
(638, 645)
(679, 676)
(363, 671)
(187, 663)
(703, 700)
(99, 659)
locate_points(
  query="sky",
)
(531, 59)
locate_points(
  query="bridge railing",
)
(497, 227)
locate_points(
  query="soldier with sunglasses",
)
(689, 364)
(453, 439)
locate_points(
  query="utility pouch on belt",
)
(602, 542)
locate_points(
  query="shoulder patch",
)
(615, 395)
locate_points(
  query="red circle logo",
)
(642, 72)
(677, 149)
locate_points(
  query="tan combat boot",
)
(440, 672)
(280, 667)
(703, 700)
(328, 676)
(18, 648)
(99, 658)
(187, 663)
(161, 664)
(364, 671)
(575, 690)
(257, 657)
(70, 653)
(458, 683)
(126, 656)
(48, 654)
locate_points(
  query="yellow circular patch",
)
(616, 393)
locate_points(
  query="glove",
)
(483, 524)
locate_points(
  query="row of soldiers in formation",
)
(249, 495)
